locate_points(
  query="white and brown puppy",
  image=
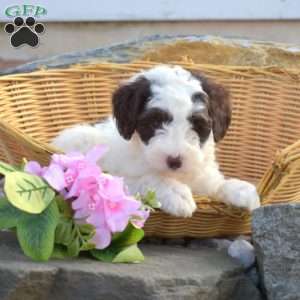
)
(162, 137)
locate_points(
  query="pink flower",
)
(118, 206)
(96, 153)
(82, 206)
(109, 211)
(118, 213)
(70, 176)
(139, 218)
(84, 179)
(67, 160)
(78, 160)
(33, 167)
(54, 175)
(102, 238)
(96, 198)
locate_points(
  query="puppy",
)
(166, 122)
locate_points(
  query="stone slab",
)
(276, 236)
(167, 273)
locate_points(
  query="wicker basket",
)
(35, 106)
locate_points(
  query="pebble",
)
(243, 251)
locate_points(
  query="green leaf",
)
(130, 254)
(150, 200)
(59, 252)
(9, 215)
(74, 248)
(86, 228)
(87, 246)
(28, 192)
(36, 232)
(76, 237)
(63, 232)
(131, 235)
(23, 164)
(105, 255)
(6, 168)
(64, 207)
(123, 247)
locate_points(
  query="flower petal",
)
(139, 218)
(81, 214)
(81, 202)
(54, 175)
(114, 187)
(102, 238)
(33, 167)
(66, 160)
(117, 223)
(96, 220)
(96, 153)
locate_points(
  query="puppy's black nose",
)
(174, 163)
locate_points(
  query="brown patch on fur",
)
(202, 124)
(128, 102)
(219, 107)
(151, 120)
(200, 98)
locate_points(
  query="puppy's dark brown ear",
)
(219, 105)
(128, 101)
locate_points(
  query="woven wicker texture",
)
(35, 106)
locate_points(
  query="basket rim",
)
(290, 73)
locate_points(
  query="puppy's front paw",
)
(177, 200)
(239, 193)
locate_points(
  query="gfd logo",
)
(24, 30)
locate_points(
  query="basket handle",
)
(286, 162)
(35, 150)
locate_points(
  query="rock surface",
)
(276, 236)
(166, 49)
(168, 273)
(243, 251)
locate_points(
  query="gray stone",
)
(252, 273)
(245, 291)
(243, 251)
(276, 237)
(135, 50)
(167, 273)
(118, 53)
(219, 244)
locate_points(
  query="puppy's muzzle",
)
(174, 163)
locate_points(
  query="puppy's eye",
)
(151, 122)
(202, 124)
(199, 98)
(156, 124)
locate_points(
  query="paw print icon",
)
(24, 33)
